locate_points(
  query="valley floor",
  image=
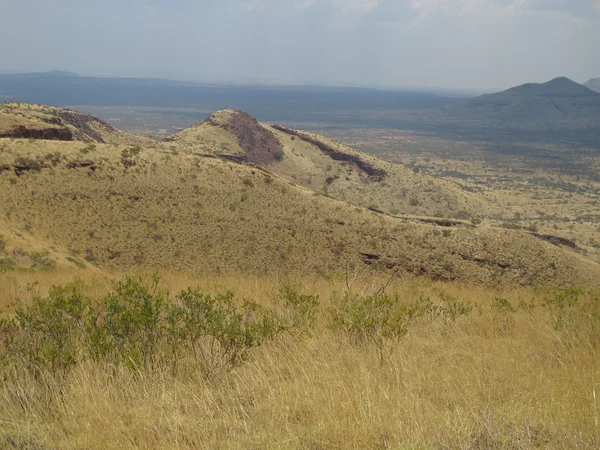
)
(479, 368)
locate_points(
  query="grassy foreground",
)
(415, 365)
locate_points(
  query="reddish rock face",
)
(260, 145)
(51, 134)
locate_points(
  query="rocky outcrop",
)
(82, 123)
(50, 134)
(375, 173)
(259, 144)
(556, 240)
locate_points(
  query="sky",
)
(451, 44)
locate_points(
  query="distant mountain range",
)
(560, 99)
(557, 111)
(594, 84)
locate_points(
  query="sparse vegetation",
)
(449, 351)
(26, 163)
(42, 260)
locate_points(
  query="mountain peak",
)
(560, 80)
(593, 84)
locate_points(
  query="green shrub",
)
(2, 244)
(219, 332)
(380, 319)
(135, 326)
(563, 306)
(46, 333)
(448, 308)
(42, 260)
(300, 309)
(54, 158)
(28, 163)
(76, 261)
(278, 154)
(127, 326)
(87, 149)
(7, 264)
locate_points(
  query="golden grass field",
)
(520, 378)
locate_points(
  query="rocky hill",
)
(21, 120)
(324, 166)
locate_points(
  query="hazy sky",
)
(403, 43)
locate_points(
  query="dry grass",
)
(553, 187)
(160, 209)
(488, 380)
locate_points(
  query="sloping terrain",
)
(118, 207)
(329, 167)
(593, 84)
(559, 100)
(21, 120)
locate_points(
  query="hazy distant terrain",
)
(594, 84)
(560, 110)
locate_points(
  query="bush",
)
(45, 334)
(54, 158)
(384, 319)
(380, 319)
(127, 325)
(135, 326)
(87, 149)
(301, 309)
(7, 264)
(219, 332)
(28, 163)
(42, 260)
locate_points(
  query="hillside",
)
(557, 101)
(21, 120)
(328, 167)
(118, 207)
(593, 84)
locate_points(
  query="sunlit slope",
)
(322, 165)
(22, 120)
(122, 208)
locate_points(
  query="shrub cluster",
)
(139, 327)
(136, 326)
(384, 319)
